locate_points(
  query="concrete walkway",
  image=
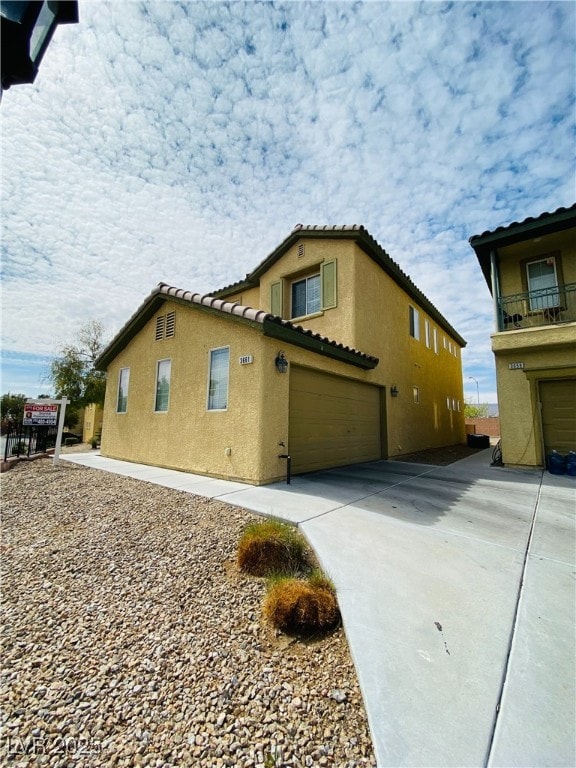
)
(456, 585)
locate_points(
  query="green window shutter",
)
(329, 289)
(276, 298)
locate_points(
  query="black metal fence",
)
(26, 441)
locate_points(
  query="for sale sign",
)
(36, 415)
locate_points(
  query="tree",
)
(73, 372)
(475, 411)
(12, 407)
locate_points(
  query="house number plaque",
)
(515, 366)
(246, 359)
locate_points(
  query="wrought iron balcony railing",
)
(548, 306)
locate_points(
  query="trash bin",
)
(478, 441)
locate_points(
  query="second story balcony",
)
(534, 309)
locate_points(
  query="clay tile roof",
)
(291, 333)
(544, 219)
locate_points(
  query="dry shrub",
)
(302, 607)
(271, 546)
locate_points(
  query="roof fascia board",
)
(515, 233)
(291, 336)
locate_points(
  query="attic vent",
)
(165, 326)
(301, 250)
(170, 324)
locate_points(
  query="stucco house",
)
(530, 269)
(326, 352)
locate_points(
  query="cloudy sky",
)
(182, 141)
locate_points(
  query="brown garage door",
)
(558, 400)
(333, 421)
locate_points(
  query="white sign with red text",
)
(36, 415)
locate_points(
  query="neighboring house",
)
(92, 422)
(530, 268)
(372, 368)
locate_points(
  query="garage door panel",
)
(333, 421)
(558, 399)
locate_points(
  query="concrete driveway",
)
(457, 589)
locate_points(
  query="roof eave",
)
(275, 328)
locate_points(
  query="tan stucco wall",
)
(546, 353)
(383, 322)
(189, 437)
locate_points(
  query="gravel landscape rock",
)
(130, 638)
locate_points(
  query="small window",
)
(435, 338)
(414, 323)
(306, 298)
(453, 403)
(122, 398)
(162, 385)
(448, 403)
(218, 379)
(416, 393)
(427, 333)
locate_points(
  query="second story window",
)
(306, 296)
(305, 293)
(542, 284)
(414, 323)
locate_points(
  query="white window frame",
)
(435, 339)
(416, 394)
(156, 393)
(550, 300)
(210, 398)
(125, 397)
(427, 332)
(414, 322)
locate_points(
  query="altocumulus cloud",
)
(182, 141)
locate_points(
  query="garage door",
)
(333, 421)
(558, 400)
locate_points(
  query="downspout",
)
(495, 289)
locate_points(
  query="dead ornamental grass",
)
(271, 546)
(302, 606)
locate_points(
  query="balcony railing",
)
(533, 309)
